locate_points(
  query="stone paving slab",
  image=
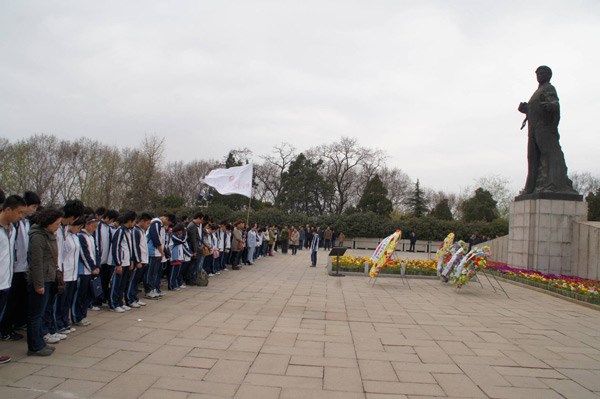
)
(281, 329)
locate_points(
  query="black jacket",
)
(194, 239)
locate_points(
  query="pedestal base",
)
(550, 196)
(540, 233)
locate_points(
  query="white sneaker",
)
(85, 322)
(183, 286)
(95, 308)
(72, 329)
(51, 339)
(210, 274)
(65, 331)
(218, 273)
(59, 336)
(135, 305)
(154, 295)
(118, 309)
(159, 294)
(141, 303)
(125, 307)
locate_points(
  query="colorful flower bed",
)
(570, 286)
(418, 267)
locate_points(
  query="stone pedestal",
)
(541, 232)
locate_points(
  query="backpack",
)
(202, 280)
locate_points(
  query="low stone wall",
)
(585, 256)
(584, 250)
(403, 245)
(499, 248)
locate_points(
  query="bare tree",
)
(399, 186)
(268, 182)
(344, 160)
(183, 179)
(143, 174)
(585, 182)
(269, 175)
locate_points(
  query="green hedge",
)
(366, 224)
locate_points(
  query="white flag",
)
(235, 180)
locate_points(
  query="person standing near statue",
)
(413, 241)
(547, 171)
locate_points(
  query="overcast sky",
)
(436, 84)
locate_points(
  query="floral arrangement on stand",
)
(383, 253)
(445, 253)
(471, 263)
(457, 252)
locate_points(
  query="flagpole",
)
(248, 215)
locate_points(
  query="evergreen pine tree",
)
(480, 207)
(374, 198)
(416, 201)
(593, 200)
(442, 210)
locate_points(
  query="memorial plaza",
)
(282, 329)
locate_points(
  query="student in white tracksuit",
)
(70, 267)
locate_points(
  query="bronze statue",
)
(547, 171)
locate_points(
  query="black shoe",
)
(12, 336)
(46, 351)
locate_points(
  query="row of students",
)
(119, 251)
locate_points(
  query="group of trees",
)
(337, 178)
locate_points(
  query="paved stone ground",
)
(280, 329)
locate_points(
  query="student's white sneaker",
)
(141, 303)
(125, 307)
(210, 274)
(65, 331)
(72, 329)
(118, 309)
(218, 273)
(85, 322)
(183, 286)
(135, 305)
(95, 308)
(51, 339)
(59, 336)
